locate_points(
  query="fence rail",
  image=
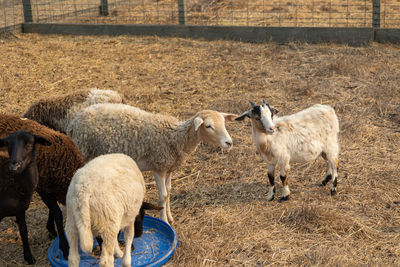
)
(254, 13)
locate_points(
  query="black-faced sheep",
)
(105, 196)
(56, 163)
(299, 137)
(156, 142)
(19, 177)
(57, 112)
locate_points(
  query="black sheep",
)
(19, 177)
(56, 164)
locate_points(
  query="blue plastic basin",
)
(153, 248)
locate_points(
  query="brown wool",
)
(57, 163)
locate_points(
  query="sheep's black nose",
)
(229, 143)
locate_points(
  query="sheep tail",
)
(82, 219)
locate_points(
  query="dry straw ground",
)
(219, 198)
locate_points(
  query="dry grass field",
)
(218, 199)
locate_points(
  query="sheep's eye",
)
(209, 126)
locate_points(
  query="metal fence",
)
(287, 13)
(11, 14)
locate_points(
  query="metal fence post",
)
(181, 12)
(376, 13)
(26, 4)
(104, 8)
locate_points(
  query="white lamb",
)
(105, 196)
(299, 137)
(156, 142)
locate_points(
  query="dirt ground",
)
(219, 202)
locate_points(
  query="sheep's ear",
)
(149, 206)
(244, 115)
(274, 111)
(41, 140)
(265, 102)
(197, 122)
(229, 116)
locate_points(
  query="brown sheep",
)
(56, 112)
(56, 163)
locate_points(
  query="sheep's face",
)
(21, 149)
(210, 126)
(261, 117)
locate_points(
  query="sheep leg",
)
(331, 172)
(328, 175)
(23, 231)
(117, 250)
(335, 176)
(107, 250)
(128, 234)
(51, 226)
(284, 173)
(51, 203)
(162, 194)
(168, 185)
(72, 233)
(271, 178)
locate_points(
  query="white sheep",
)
(156, 142)
(57, 112)
(105, 196)
(299, 137)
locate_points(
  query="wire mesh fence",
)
(287, 13)
(11, 14)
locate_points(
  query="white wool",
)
(300, 137)
(95, 96)
(156, 142)
(103, 198)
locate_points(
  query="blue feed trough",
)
(153, 248)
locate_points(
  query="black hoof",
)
(65, 251)
(65, 254)
(285, 198)
(322, 184)
(333, 192)
(30, 260)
